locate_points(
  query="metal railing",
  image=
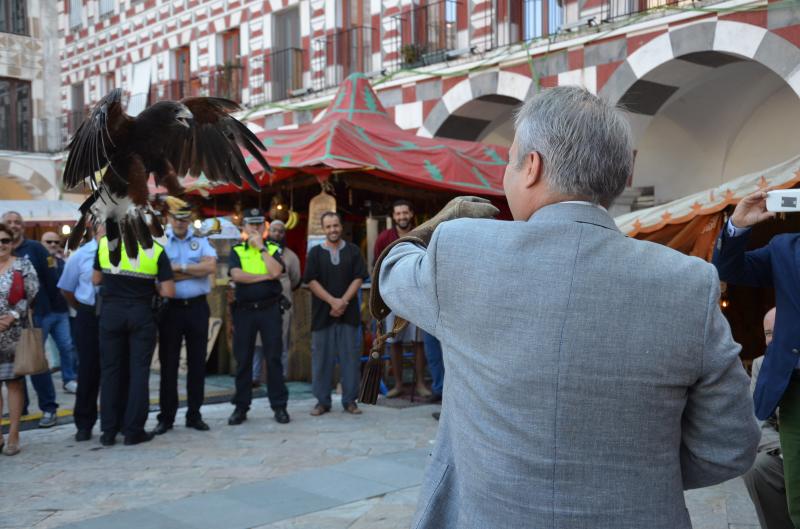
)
(224, 81)
(285, 70)
(48, 135)
(615, 9)
(53, 134)
(426, 32)
(171, 90)
(339, 54)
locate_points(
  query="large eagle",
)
(168, 139)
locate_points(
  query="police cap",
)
(253, 216)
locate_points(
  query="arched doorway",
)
(722, 103)
(479, 108)
(705, 123)
(487, 118)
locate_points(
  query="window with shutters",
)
(16, 116)
(14, 17)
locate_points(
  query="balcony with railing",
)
(172, 90)
(425, 33)
(224, 81)
(339, 54)
(616, 9)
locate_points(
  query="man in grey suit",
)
(591, 377)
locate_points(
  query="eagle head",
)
(167, 113)
(183, 115)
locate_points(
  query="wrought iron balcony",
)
(224, 81)
(427, 32)
(172, 90)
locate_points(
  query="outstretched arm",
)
(734, 264)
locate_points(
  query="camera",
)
(783, 200)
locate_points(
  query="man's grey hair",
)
(584, 142)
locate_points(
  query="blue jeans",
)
(56, 324)
(433, 353)
(43, 384)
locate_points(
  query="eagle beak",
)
(183, 116)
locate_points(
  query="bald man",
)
(764, 481)
(56, 322)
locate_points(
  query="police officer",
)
(255, 266)
(128, 338)
(79, 291)
(185, 316)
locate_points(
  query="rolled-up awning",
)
(691, 224)
(683, 210)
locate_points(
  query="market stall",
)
(354, 159)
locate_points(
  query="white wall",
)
(770, 135)
(740, 118)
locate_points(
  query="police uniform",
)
(257, 310)
(77, 278)
(184, 316)
(127, 340)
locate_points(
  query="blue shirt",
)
(40, 259)
(77, 274)
(189, 250)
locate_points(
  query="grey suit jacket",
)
(591, 378)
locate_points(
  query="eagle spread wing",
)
(117, 153)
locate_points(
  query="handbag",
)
(29, 357)
(17, 291)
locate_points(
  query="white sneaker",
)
(71, 387)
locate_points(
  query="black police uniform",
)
(257, 310)
(127, 340)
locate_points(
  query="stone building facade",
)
(31, 134)
(711, 88)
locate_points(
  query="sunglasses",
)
(52, 242)
(5, 240)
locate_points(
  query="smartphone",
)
(783, 200)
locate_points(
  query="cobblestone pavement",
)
(335, 471)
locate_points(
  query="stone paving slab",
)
(56, 481)
(329, 472)
(250, 505)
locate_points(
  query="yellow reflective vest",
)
(147, 268)
(251, 259)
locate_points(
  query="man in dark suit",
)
(776, 265)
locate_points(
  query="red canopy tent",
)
(356, 134)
